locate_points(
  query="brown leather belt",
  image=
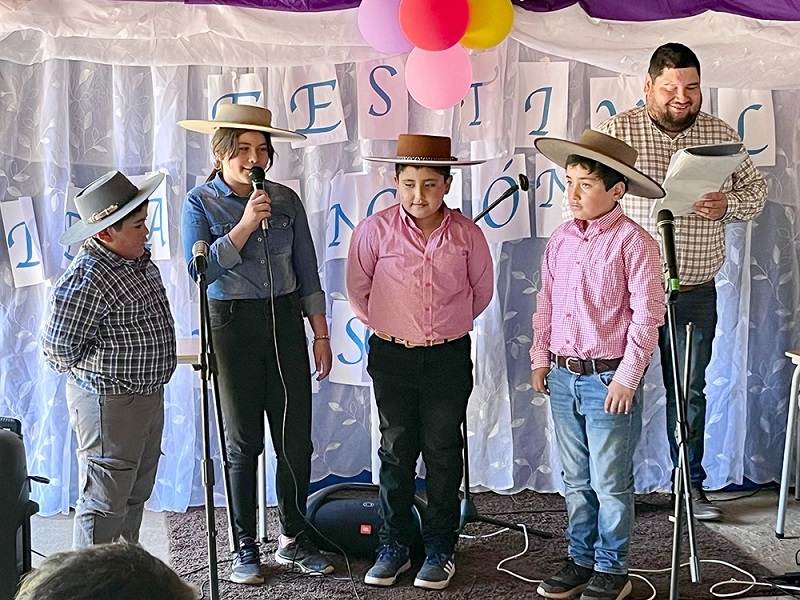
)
(410, 344)
(689, 288)
(589, 366)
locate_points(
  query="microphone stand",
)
(681, 475)
(469, 512)
(208, 372)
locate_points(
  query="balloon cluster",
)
(438, 70)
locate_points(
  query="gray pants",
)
(119, 444)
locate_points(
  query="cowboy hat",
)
(105, 201)
(241, 116)
(607, 150)
(424, 151)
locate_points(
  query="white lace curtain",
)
(76, 105)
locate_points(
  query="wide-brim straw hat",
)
(105, 201)
(606, 150)
(424, 151)
(241, 116)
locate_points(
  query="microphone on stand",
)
(666, 230)
(521, 185)
(257, 177)
(200, 256)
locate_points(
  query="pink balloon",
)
(434, 24)
(438, 80)
(379, 24)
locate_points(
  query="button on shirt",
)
(601, 297)
(699, 242)
(211, 210)
(110, 324)
(413, 290)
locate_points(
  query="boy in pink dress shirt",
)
(418, 274)
(595, 330)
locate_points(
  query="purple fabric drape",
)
(616, 10)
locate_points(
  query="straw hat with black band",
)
(424, 151)
(242, 116)
(106, 201)
(607, 150)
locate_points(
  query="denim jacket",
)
(209, 213)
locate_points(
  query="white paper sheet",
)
(696, 171)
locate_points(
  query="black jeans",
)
(698, 306)
(422, 396)
(250, 383)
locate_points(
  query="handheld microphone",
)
(257, 177)
(200, 256)
(666, 230)
(522, 184)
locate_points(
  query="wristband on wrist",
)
(321, 336)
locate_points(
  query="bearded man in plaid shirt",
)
(669, 121)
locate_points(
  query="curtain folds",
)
(91, 85)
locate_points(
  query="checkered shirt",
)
(699, 243)
(110, 324)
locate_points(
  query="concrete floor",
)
(749, 523)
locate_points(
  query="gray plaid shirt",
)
(110, 324)
(699, 243)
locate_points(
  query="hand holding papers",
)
(696, 171)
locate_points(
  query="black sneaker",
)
(246, 563)
(569, 581)
(392, 560)
(303, 554)
(702, 507)
(436, 572)
(607, 586)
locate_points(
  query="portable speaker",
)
(346, 515)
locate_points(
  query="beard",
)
(665, 121)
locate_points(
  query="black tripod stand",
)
(469, 513)
(208, 368)
(681, 477)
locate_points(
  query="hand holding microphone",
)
(666, 230)
(257, 177)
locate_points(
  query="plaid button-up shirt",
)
(110, 325)
(699, 243)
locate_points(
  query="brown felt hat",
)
(424, 151)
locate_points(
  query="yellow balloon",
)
(490, 22)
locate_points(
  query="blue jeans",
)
(698, 306)
(597, 456)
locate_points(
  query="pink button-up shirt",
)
(602, 295)
(413, 290)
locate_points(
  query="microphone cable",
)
(301, 510)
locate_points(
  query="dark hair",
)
(444, 171)
(606, 174)
(672, 56)
(118, 224)
(225, 144)
(102, 572)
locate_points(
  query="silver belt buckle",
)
(566, 364)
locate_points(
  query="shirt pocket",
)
(281, 234)
(450, 271)
(220, 229)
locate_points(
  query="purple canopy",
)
(636, 10)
